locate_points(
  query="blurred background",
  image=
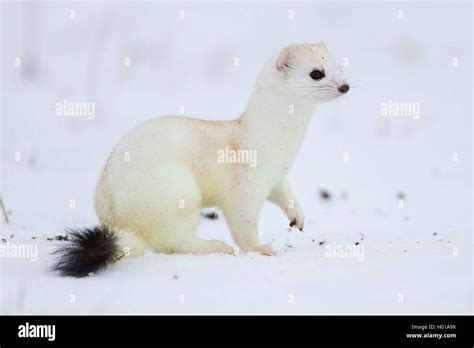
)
(138, 60)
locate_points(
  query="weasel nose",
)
(344, 88)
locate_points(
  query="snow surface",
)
(416, 258)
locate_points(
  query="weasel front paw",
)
(296, 216)
(263, 249)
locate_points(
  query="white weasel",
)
(162, 173)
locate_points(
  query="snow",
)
(416, 258)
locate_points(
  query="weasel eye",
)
(317, 74)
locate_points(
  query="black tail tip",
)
(88, 251)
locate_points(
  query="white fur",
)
(155, 197)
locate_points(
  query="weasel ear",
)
(286, 60)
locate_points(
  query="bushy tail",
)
(91, 250)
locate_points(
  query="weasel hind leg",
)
(166, 204)
(203, 246)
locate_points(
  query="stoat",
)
(162, 173)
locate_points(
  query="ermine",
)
(161, 174)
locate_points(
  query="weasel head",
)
(310, 71)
